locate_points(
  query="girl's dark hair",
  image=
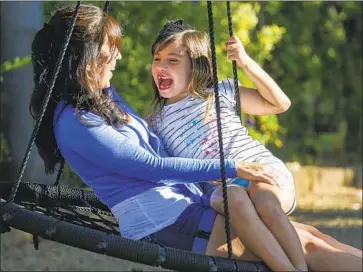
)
(196, 44)
(77, 80)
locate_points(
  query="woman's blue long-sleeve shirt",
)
(129, 171)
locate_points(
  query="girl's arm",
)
(267, 98)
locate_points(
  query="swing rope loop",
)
(219, 128)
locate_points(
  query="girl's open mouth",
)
(164, 82)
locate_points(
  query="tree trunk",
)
(19, 23)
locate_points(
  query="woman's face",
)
(105, 70)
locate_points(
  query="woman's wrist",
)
(257, 172)
(250, 170)
(243, 170)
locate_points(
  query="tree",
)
(319, 64)
(19, 22)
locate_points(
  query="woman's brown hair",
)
(77, 80)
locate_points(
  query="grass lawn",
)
(335, 210)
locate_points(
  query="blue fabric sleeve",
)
(114, 151)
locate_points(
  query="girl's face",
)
(172, 72)
(105, 70)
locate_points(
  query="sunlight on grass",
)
(336, 198)
(342, 205)
(329, 222)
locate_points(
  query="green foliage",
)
(259, 43)
(5, 155)
(71, 178)
(13, 64)
(7, 66)
(312, 49)
(319, 65)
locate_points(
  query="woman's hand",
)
(236, 51)
(257, 172)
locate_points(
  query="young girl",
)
(184, 118)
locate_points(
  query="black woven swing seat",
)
(76, 217)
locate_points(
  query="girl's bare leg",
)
(268, 203)
(328, 239)
(217, 244)
(249, 228)
(321, 256)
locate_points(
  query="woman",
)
(154, 197)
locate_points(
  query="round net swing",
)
(77, 218)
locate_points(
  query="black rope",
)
(106, 6)
(60, 171)
(32, 207)
(45, 103)
(234, 65)
(219, 126)
(36, 242)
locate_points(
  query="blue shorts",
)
(189, 232)
(209, 188)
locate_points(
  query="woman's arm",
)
(112, 150)
(267, 98)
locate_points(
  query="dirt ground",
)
(337, 212)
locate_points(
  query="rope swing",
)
(77, 218)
